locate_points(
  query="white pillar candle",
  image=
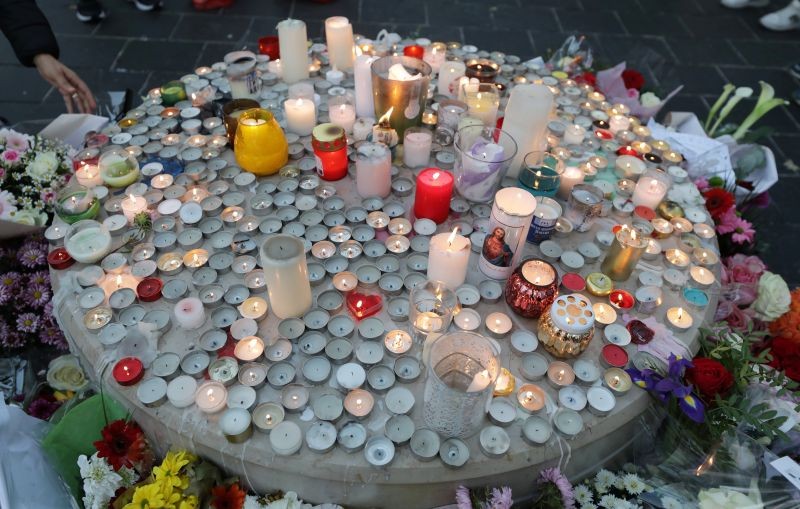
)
(189, 313)
(526, 120)
(449, 73)
(449, 258)
(88, 175)
(417, 147)
(343, 115)
(284, 261)
(574, 134)
(618, 123)
(293, 43)
(365, 107)
(373, 170)
(132, 205)
(339, 37)
(572, 175)
(301, 116)
(649, 191)
(362, 128)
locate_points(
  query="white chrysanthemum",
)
(7, 204)
(619, 483)
(588, 506)
(583, 494)
(252, 502)
(600, 488)
(633, 484)
(608, 501)
(128, 476)
(671, 503)
(100, 482)
(606, 477)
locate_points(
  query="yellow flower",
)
(171, 495)
(170, 469)
(189, 502)
(149, 496)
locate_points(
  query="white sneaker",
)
(785, 19)
(741, 4)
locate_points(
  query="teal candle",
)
(696, 298)
(75, 203)
(172, 93)
(541, 181)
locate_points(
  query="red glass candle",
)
(573, 282)
(614, 356)
(59, 259)
(128, 371)
(149, 289)
(532, 288)
(362, 305)
(97, 140)
(432, 199)
(415, 50)
(621, 299)
(268, 45)
(627, 150)
(330, 149)
(603, 134)
(84, 157)
(645, 213)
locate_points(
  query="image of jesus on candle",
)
(495, 249)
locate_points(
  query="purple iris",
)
(671, 386)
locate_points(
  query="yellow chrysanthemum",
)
(170, 469)
(189, 502)
(148, 496)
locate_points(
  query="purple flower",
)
(41, 277)
(677, 365)
(28, 322)
(52, 335)
(555, 476)
(48, 310)
(10, 279)
(37, 295)
(5, 294)
(31, 257)
(12, 339)
(501, 498)
(463, 500)
(43, 408)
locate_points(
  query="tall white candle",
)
(449, 73)
(526, 120)
(301, 116)
(649, 191)
(417, 144)
(435, 55)
(573, 135)
(373, 170)
(189, 313)
(365, 107)
(293, 43)
(343, 115)
(572, 175)
(449, 259)
(339, 37)
(284, 261)
(132, 205)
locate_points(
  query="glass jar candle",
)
(329, 142)
(118, 168)
(626, 250)
(483, 155)
(541, 173)
(75, 203)
(532, 288)
(260, 145)
(567, 327)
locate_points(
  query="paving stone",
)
(446, 34)
(407, 11)
(509, 41)
(137, 25)
(453, 12)
(283, 8)
(204, 27)
(530, 17)
(687, 7)
(16, 112)
(652, 23)
(725, 24)
(21, 84)
(592, 22)
(216, 51)
(769, 53)
(704, 51)
(159, 55)
(61, 15)
(696, 79)
(89, 52)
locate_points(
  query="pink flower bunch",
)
(554, 476)
(740, 268)
(741, 230)
(10, 156)
(740, 275)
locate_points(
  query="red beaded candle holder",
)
(532, 288)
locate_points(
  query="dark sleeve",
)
(27, 30)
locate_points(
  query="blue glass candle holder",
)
(541, 173)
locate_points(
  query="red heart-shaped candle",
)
(362, 305)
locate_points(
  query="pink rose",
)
(738, 318)
(740, 294)
(10, 156)
(633, 93)
(17, 141)
(743, 269)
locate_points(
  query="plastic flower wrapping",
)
(32, 170)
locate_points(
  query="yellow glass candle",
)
(260, 145)
(625, 252)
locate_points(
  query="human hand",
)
(74, 91)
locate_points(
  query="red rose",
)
(632, 79)
(718, 202)
(709, 377)
(587, 77)
(786, 356)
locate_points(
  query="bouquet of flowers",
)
(26, 307)
(488, 498)
(32, 170)
(619, 490)
(626, 86)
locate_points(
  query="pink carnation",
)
(702, 184)
(10, 156)
(17, 141)
(633, 93)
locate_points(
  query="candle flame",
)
(119, 281)
(299, 102)
(680, 313)
(528, 396)
(384, 120)
(435, 176)
(342, 108)
(133, 198)
(359, 304)
(452, 236)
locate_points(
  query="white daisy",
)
(633, 484)
(606, 477)
(588, 506)
(609, 501)
(582, 494)
(7, 204)
(99, 479)
(671, 503)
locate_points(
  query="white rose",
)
(65, 374)
(29, 217)
(649, 99)
(38, 170)
(773, 298)
(49, 159)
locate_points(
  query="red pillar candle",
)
(128, 371)
(268, 45)
(59, 259)
(614, 356)
(415, 50)
(149, 289)
(432, 199)
(621, 299)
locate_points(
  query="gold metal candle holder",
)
(625, 252)
(567, 327)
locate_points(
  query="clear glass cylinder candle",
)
(449, 114)
(584, 206)
(482, 158)
(431, 308)
(483, 100)
(400, 83)
(462, 370)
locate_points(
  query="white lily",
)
(766, 102)
(738, 95)
(726, 91)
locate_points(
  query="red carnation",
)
(709, 377)
(718, 202)
(227, 497)
(587, 77)
(632, 79)
(123, 444)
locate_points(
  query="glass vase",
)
(482, 158)
(392, 88)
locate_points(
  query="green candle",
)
(118, 168)
(75, 203)
(172, 93)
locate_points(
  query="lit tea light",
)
(254, 308)
(267, 416)
(604, 314)
(618, 381)
(359, 403)
(397, 342)
(249, 348)
(621, 299)
(345, 281)
(195, 194)
(467, 319)
(498, 325)
(680, 320)
(701, 276)
(560, 374)
(505, 383)
(162, 181)
(531, 397)
(211, 397)
(676, 259)
(704, 231)
(195, 258)
(653, 250)
(681, 225)
(705, 257)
